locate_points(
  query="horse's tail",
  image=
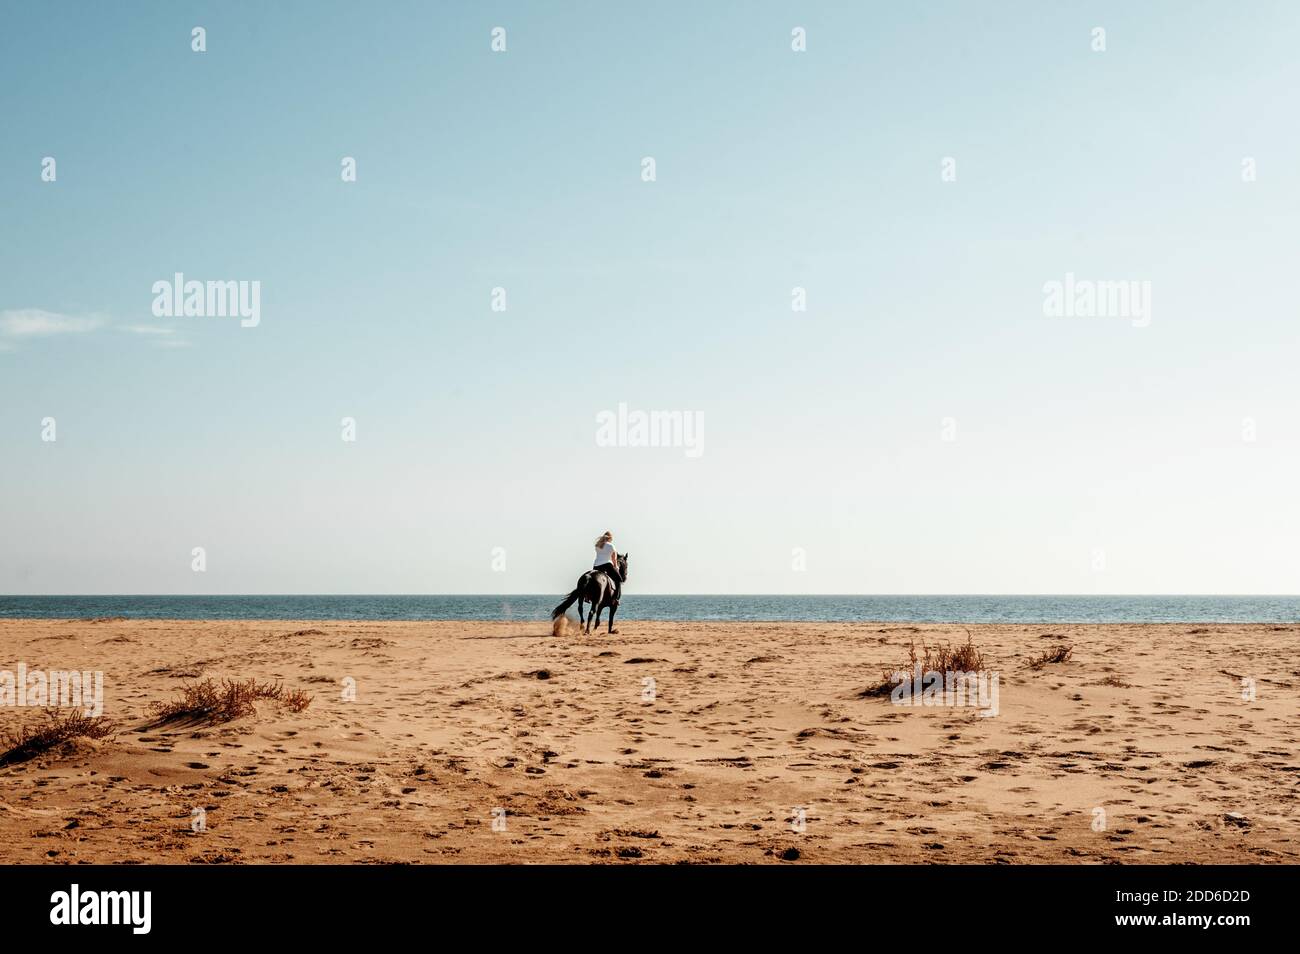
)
(568, 601)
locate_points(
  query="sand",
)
(455, 724)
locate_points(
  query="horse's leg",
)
(579, 609)
(598, 603)
(613, 608)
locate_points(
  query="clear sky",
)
(1087, 454)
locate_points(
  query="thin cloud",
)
(25, 323)
(160, 336)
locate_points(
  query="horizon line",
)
(550, 594)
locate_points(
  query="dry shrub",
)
(30, 742)
(946, 658)
(1058, 655)
(230, 699)
(296, 701)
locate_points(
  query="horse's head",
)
(622, 566)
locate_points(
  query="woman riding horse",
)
(607, 560)
(601, 586)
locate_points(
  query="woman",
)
(607, 560)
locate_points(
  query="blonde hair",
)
(603, 539)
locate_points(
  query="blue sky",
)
(775, 169)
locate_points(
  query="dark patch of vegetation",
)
(946, 658)
(214, 702)
(29, 742)
(1058, 654)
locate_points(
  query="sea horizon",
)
(680, 607)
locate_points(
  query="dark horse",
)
(594, 587)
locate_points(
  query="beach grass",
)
(27, 742)
(215, 702)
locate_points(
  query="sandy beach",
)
(672, 742)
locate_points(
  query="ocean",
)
(722, 608)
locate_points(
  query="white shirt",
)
(604, 554)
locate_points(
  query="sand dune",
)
(454, 723)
